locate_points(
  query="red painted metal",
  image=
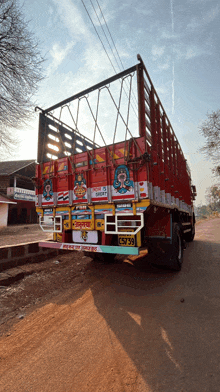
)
(141, 104)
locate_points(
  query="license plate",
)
(126, 240)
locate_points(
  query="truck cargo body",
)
(117, 198)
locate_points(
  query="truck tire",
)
(175, 253)
(189, 237)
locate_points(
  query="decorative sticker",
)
(143, 191)
(81, 225)
(63, 197)
(80, 188)
(48, 192)
(122, 183)
(123, 186)
(85, 236)
(48, 169)
(99, 193)
(62, 167)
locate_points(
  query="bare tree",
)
(20, 71)
(210, 129)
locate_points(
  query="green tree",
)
(20, 71)
(213, 197)
(210, 129)
(203, 211)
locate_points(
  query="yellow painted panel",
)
(99, 159)
(122, 150)
(46, 169)
(97, 224)
(59, 237)
(61, 166)
(138, 238)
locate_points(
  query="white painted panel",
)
(162, 196)
(3, 214)
(156, 195)
(168, 198)
(99, 192)
(84, 236)
(142, 189)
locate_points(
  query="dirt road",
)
(20, 234)
(121, 327)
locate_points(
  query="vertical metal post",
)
(160, 156)
(141, 100)
(154, 135)
(171, 177)
(174, 165)
(153, 120)
(166, 156)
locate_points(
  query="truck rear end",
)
(109, 182)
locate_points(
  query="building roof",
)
(5, 200)
(11, 167)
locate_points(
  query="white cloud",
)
(96, 63)
(192, 52)
(158, 51)
(188, 52)
(164, 66)
(50, 10)
(96, 15)
(212, 14)
(166, 34)
(143, 12)
(194, 24)
(72, 19)
(206, 18)
(134, 7)
(58, 54)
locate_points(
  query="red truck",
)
(117, 197)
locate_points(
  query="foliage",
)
(20, 70)
(210, 129)
(213, 197)
(213, 203)
(202, 212)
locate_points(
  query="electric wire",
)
(105, 34)
(113, 43)
(98, 35)
(110, 34)
(134, 109)
(135, 103)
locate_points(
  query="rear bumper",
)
(123, 250)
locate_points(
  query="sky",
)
(179, 44)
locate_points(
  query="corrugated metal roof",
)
(10, 167)
(5, 199)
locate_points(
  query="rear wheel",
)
(175, 252)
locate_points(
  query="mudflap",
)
(166, 252)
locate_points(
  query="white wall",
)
(3, 214)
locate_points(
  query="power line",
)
(105, 34)
(112, 42)
(135, 110)
(110, 34)
(98, 35)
